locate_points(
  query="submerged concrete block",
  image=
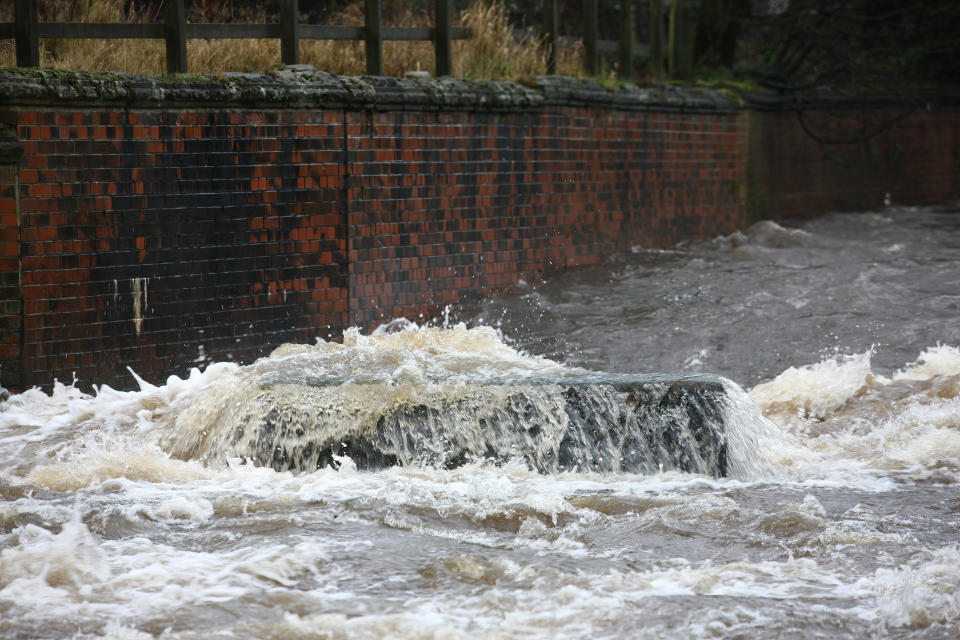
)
(612, 424)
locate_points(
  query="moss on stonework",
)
(304, 86)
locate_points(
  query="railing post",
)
(176, 24)
(27, 32)
(441, 44)
(551, 24)
(373, 36)
(626, 39)
(290, 31)
(656, 38)
(591, 61)
(680, 48)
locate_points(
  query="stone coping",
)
(302, 86)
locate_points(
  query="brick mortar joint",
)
(302, 86)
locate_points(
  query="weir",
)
(639, 426)
(395, 403)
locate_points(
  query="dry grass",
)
(131, 56)
(349, 59)
(496, 51)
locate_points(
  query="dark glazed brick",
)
(11, 293)
(142, 242)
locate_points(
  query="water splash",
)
(444, 397)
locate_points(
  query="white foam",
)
(114, 630)
(48, 566)
(768, 233)
(941, 360)
(181, 508)
(843, 423)
(95, 462)
(73, 573)
(521, 602)
(40, 430)
(814, 391)
(923, 593)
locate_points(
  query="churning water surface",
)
(139, 514)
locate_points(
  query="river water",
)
(124, 514)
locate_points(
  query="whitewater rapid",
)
(118, 519)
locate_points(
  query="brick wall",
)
(162, 224)
(831, 159)
(446, 205)
(164, 239)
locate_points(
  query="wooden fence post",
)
(551, 24)
(591, 60)
(26, 32)
(373, 36)
(441, 44)
(289, 31)
(656, 38)
(680, 51)
(626, 39)
(176, 36)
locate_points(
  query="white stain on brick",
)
(139, 302)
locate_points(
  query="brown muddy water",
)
(135, 515)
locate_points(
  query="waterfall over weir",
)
(445, 398)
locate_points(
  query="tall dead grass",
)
(130, 56)
(496, 50)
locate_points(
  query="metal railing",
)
(27, 30)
